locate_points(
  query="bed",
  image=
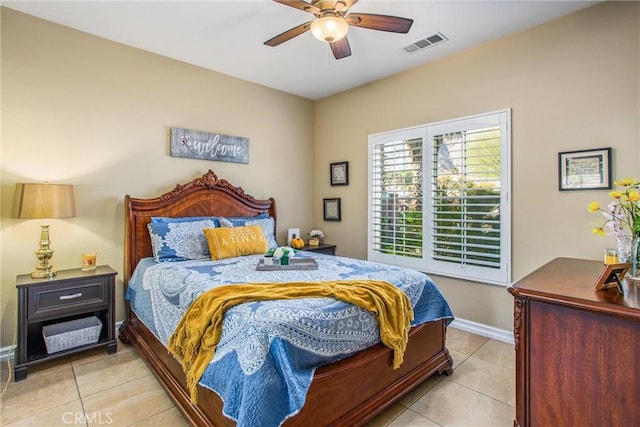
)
(349, 391)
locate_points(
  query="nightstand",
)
(321, 248)
(70, 295)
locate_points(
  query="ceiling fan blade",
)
(341, 48)
(289, 34)
(393, 24)
(299, 4)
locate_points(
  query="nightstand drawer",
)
(60, 298)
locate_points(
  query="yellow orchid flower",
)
(626, 182)
(622, 214)
(593, 207)
(616, 194)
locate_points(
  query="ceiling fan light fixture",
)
(329, 28)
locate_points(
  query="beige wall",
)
(77, 109)
(82, 110)
(571, 84)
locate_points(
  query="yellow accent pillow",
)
(228, 242)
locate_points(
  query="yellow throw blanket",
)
(195, 339)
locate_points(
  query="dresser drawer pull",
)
(74, 296)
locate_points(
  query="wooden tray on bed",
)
(294, 264)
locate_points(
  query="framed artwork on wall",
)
(585, 169)
(332, 210)
(196, 144)
(339, 173)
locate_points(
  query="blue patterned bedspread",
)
(268, 352)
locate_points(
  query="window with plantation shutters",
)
(439, 197)
(396, 220)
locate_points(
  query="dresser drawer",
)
(65, 298)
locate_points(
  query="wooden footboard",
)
(349, 392)
(354, 390)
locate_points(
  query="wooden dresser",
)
(577, 349)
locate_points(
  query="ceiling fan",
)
(332, 23)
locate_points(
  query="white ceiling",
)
(227, 36)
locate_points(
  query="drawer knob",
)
(74, 296)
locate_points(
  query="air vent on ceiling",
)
(425, 42)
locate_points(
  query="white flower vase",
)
(623, 246)
(634, 272)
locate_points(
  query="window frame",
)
(427, 263)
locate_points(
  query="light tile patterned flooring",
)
(119, 390)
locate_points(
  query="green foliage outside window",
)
(466, 209)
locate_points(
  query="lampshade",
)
(329, 28)
(43, 201)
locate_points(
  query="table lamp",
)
(43, 201)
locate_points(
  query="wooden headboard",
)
(205, 196)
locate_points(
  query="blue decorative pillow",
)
(224, 222)
(163, 219)
(179, 241)
(263, 220)
(239, 220)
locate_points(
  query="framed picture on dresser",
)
(611, 276)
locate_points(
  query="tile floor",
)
(119, 390)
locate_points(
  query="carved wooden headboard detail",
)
(204, 196)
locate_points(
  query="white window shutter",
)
(439, 198)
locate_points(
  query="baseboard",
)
(8, 351)
(483, 330)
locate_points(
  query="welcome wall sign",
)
(195, 144)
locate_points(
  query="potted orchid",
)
(622, 220)
(283, 253)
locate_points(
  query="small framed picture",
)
(332, 210)
(291, 233)
(585, 169)
(611, 276)
(339, 173)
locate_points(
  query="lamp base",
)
(44, 254)
(43, 274)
